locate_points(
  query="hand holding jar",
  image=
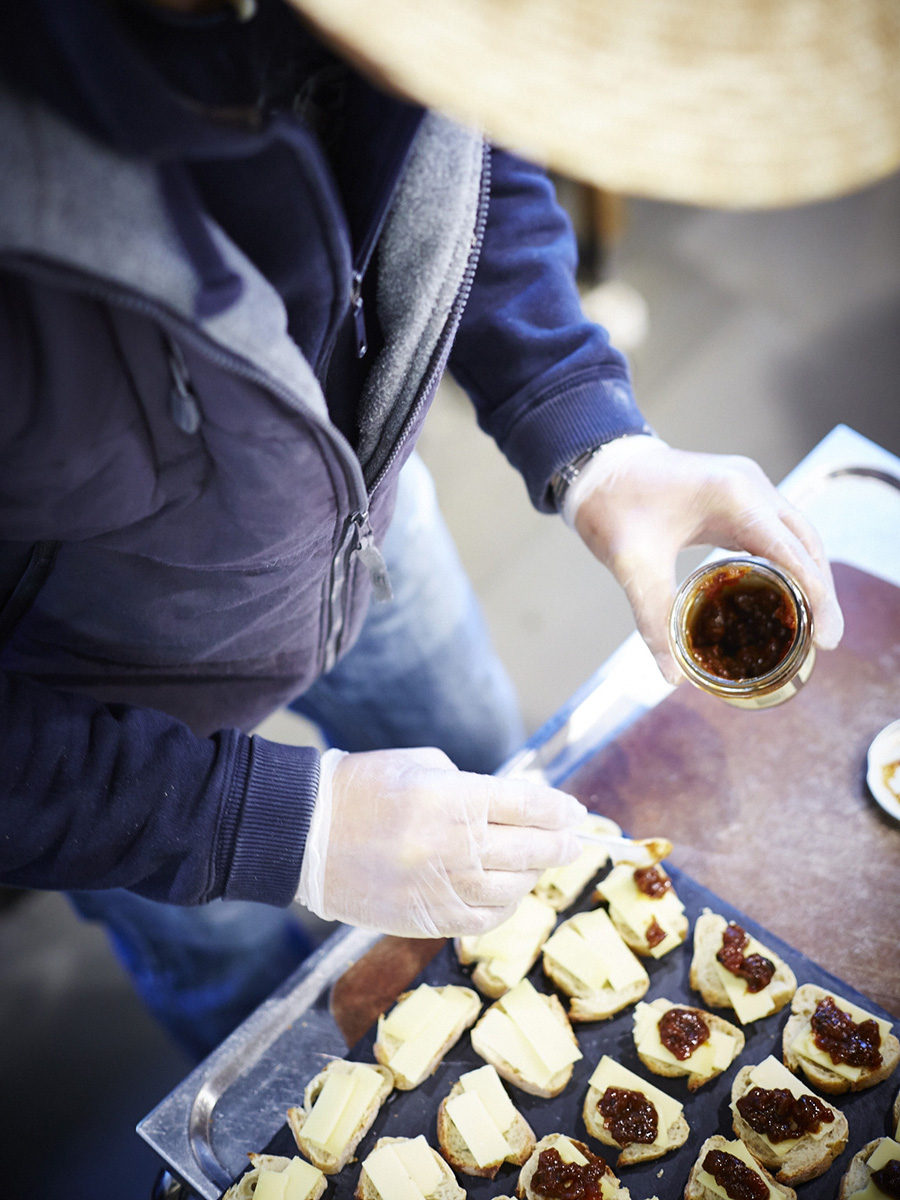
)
(639, 502)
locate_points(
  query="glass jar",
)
(741, 628)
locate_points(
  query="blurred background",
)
(750, 333)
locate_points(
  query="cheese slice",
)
(806, 1046)
(569, 1153)
(328, 1108)
(366, 1085)
(389, 1176)
(477, 1128)
(421, 1164)
(739, 1150)
(412, 1014)
(884, 1152)
(710, 1056)
(589, 947)
(414, 1055)
(486, 1083)
(499, 1033)
(302, 1178)
(270, 1185)
(749, 1006)
(638, 910)
(609, 1073)
(551, 1040)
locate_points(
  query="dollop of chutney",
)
(682, 1030)
(629, 1116)
(561, 1180)
(741, 626)
(845, 1041)
(778, 1114)
(735, 1177)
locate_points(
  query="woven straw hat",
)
(736, 103)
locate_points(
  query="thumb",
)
(647, 575)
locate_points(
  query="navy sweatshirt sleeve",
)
(71, 767)
(545, 381)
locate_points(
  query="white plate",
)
(885, 749)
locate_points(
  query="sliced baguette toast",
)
(589, 1002)
(446, 1189)
(512, 1074)
(672, 1067)
(519, 1138)
(704, 976)
(697, 1189)
(505, 955)
(797, 1160)
(297, 1116)
(245, 1187)
(612, 1189)
(856, 1177)
(387, 1045)
(674, 1133)
(822, 1077)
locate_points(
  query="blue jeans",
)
(422, 673)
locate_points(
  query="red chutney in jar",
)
(740, 626)
(559, 1180)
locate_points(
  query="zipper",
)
(183, 404)
(450, 326)
(358, 537)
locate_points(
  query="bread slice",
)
(519, 1138)
(612, 1189)
(698, 1189)
(672, 1128)
(245, 1187)
(445, 1189)
(821, 1076)
(506, 954)
(728, 1039)
(320, 1156)
(705, 979)
(799, 1159)
(560, 887)
(596, 942)
(859, 1172)
(545, 1086)
(634, 913)
(463, 1007)
(896, 1114)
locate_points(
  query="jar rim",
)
(758, 685)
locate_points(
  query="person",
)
(233, 267)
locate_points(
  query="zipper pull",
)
(183, 406)
(359, 316)
(373, 560)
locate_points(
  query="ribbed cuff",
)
(564, 425)
(263, 833)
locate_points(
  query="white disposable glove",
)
(403, 842)
(639, 502)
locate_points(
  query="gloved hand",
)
(403, 842)
(639, 502)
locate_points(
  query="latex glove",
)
(640, 502)
(403, 842)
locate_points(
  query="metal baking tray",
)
(238, 1100)
(235, 1101)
